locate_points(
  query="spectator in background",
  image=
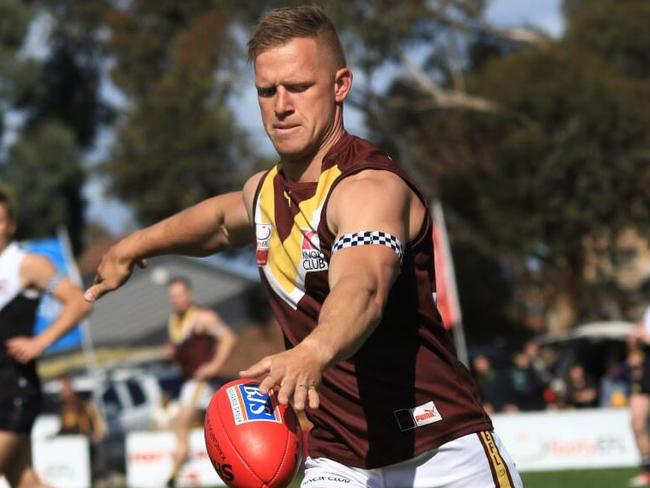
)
(580, 390)
(614, 387)
(80, 416)
(199, 342)
(540, 359)
(527, 387)
(492, 384)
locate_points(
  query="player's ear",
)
(342, 84)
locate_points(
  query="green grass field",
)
(599, 478)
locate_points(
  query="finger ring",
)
(312, 386)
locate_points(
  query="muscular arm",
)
(360, 281)
(361, 277)
(207, 227)
(36, 272)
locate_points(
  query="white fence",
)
(544, 441)
(576, 439)
(149, 461)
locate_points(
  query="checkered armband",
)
(367, 238)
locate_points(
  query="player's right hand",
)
(113, 271)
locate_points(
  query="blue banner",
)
(49, 308)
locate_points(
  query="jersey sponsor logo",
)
(412, 418)
(263, 237)
(312, 258)
(249, 405)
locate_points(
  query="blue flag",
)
(49, 308)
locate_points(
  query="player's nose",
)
(283, 103)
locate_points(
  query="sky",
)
(117, 218)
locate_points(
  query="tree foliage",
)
(563, 159)
(178, 142)
(46, 186)
(56, 95)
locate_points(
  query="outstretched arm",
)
(207, 227)
(38, 272)
(360, 280)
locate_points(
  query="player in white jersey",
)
(23, 278)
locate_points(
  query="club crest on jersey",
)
(249, 405)
(263, 238)
(312, 257)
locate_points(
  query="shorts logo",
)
(331, 478)
(411, 418)
(312, 258)
(263, 237)
(249, 405)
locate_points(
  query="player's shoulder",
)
(36, 264)
(253, 182)
(205, 313)
(36, 270)
(250, 187)
(372, 184)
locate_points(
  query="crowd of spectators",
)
(531, 381)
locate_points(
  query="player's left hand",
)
(24, 349)
(294, 374)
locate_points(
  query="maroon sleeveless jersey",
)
(404, 391)
(193, 352)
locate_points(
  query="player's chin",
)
(290, 150)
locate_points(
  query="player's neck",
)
(308, 169)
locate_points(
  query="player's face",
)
(180, 297)
(296, 92)
(7, 227)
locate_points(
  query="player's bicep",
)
(369, 216)
(39, 272)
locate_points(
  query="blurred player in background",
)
(80, 415)
(639, 360)
(23, 279)
(345, 253)
(199, 342)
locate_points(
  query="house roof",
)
(137, 313)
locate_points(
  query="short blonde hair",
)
(281, 25)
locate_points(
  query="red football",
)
(252, 440)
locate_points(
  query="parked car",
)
(126, 397)
(594, 345)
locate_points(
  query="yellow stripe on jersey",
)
(284, 269)
(497, 464)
